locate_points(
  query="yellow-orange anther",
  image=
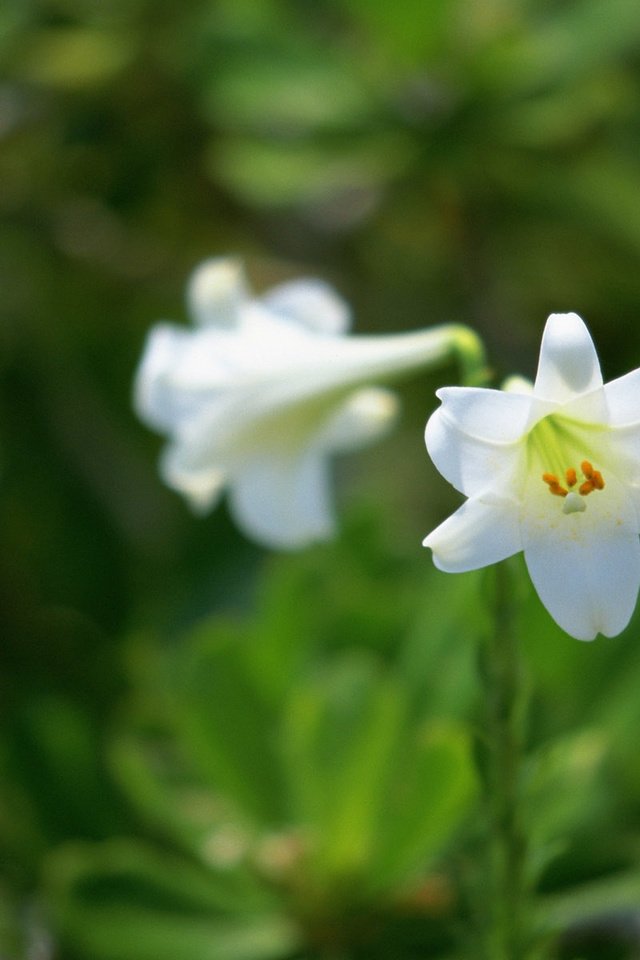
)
(593, 480)
(554, 484)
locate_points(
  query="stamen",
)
(554, 485)
(593, 480)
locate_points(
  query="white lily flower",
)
(260, 392)
(553, 471)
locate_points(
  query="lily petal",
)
(588, 408)
(283, 501)
(216, 291)
(364, 417)
(486, 414)
(623, 399)
(476, 535)
(202, 488)
(312, 304)
(623, 450)
(155, 401)
(568, 364)
(585, 566)
(263, 389)
(562, 482)
(184, 373)
(473, 466)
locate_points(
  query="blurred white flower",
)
(553, 471)
(261, 391)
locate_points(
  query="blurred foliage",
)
(313, 796)
(206, 752)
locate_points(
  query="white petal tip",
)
(517, 384)
(201, 489)
(570, 318)
(215, 291)
(312, 304)
(568, 360)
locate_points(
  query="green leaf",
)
(122, 901)
(57, 758)
(272, 173)
(361, 772)
(291, 94)
(408, 31)
(428, 798)
(228, 726)
(339, 733)
(74, 57)
(438, 660)
(575, 42)
(379, 797)
(563, 793)
(166, 794)
(589, 902)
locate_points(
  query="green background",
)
(208, 751)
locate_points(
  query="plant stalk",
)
(501, 756)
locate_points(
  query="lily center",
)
(574, 489)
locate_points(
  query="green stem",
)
(505, 701)
(469, 351)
